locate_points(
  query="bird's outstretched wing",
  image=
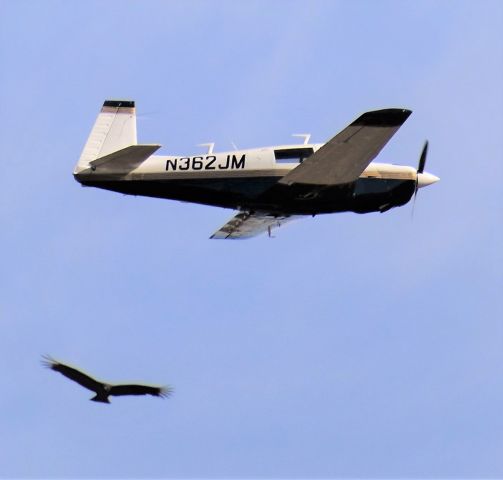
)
(119, 390)
(72, 373)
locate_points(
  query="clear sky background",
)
(348, 346)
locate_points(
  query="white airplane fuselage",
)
(243, 179)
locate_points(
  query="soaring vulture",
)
(104, 390)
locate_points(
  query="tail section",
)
(114, 129)
(100, 398)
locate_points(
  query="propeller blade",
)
(413, 205)
(420, 169)
(422, 158)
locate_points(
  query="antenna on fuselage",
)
(210, 146)
(305, 136)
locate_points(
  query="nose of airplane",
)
(424, 179)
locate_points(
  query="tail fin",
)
(114, 129)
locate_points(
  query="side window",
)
(292, 155)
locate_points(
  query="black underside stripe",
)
(265, 194)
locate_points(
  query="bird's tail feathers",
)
(100, 398)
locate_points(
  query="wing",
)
(72, 373)
(248, 224)
(119, 390)
(345, 157)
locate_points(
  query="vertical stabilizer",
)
(114, 129)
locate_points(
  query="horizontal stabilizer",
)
(124, 160)
(345, 157)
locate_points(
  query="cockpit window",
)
(292, 155)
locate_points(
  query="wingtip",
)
(47, 361)
(166, 392)
(387, 117)
(119, 103)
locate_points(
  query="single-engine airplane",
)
(267, 186)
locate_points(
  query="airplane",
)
(268, 186)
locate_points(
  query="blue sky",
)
(348, 346)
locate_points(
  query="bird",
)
(104, 390)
